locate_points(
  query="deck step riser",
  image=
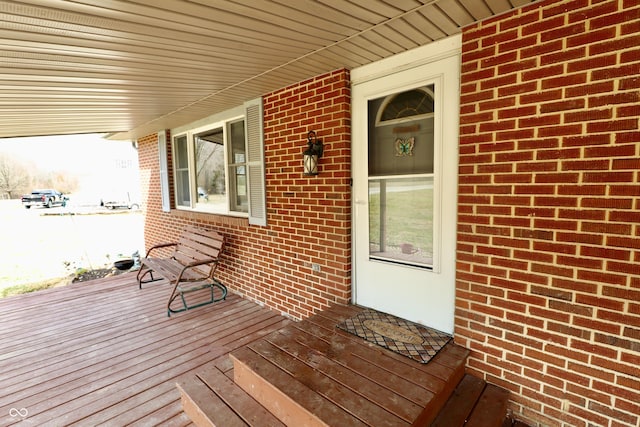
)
(212, 399)
(281, 405)
(193, 400)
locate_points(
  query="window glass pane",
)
(411, 103)
(183, 195)
(237, 169)
(210, 170)
(237, 139)
(401, 220)
(238, 181)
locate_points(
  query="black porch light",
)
(312, 154)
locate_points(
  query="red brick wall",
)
(309, 218)
(548, 274)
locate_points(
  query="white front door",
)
(405, 165)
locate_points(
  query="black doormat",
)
(412, 340)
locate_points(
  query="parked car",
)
(124, 201)
(121, 205)
(47, 198)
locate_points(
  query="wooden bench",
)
(190, 268)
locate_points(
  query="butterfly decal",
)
(404, 147)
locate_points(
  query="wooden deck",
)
(105, 352)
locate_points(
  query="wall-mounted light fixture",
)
(312, 154)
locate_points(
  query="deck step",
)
(491, 408)
(313, 374)
(474, 403)
(211, 399)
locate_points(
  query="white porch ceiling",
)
(132, 67)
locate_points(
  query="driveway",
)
(39, 243)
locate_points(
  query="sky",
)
(102, 166)
(75, 153)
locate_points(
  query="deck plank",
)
(170, 416)
(358, 381)
(328, 320)
(105, 351)
(73, 404)
(145, 410)
(398, 364)
(98, 355)
(406, 380)
(102, 365)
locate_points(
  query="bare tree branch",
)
(14, 178)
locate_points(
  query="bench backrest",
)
(195, 244)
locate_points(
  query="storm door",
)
(405, 183)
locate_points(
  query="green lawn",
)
(409, 218)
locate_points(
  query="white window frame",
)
(254, 162)
(194, 203)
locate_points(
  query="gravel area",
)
(97, 274)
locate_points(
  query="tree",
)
(14, 177)
(210, 164)
(59, 180)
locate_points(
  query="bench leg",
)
(142, 273)
(177, 292)
(184, 301)
(223, 288)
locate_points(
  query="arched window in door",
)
(406, 106)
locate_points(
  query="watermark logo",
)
(18, 413)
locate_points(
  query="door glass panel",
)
(401, 220)
(401, 174)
